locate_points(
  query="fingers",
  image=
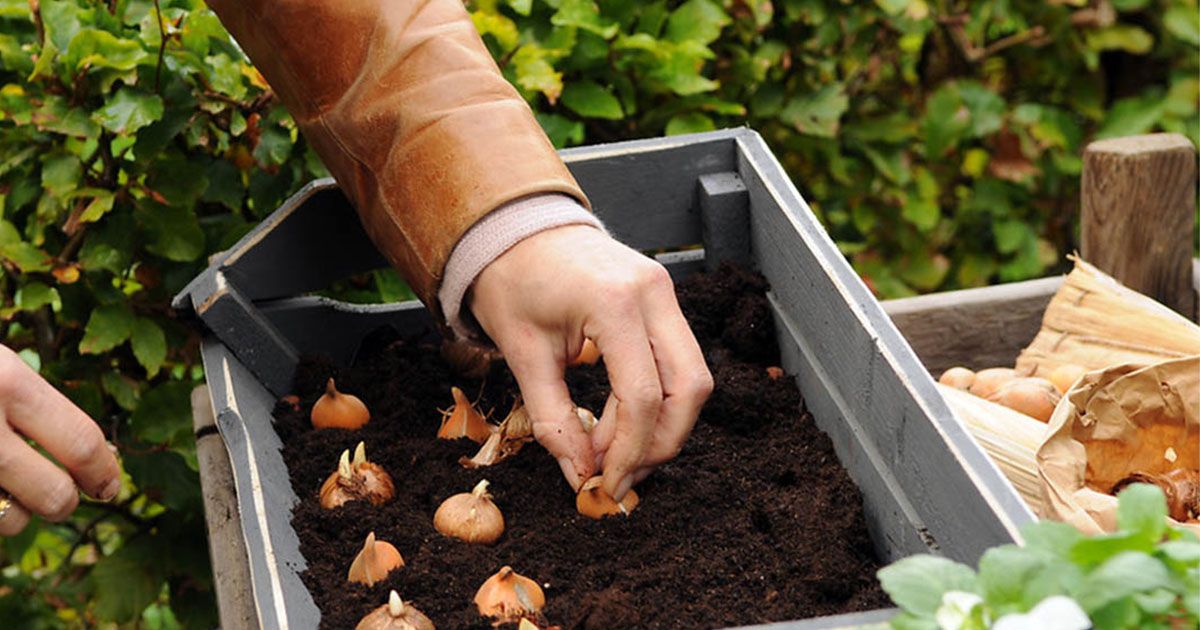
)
(686, 381)
(15, 519)
(38, 411)
(633, 374)
(40, 486)
(539, 374)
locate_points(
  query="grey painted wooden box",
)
(926, 485)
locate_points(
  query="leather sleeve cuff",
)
(493, 235)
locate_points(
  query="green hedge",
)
(939, 142)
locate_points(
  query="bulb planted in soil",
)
(593, 502)
(508, 596)
(470, 516)
(376, 559)
(336, 410)
(463, 420)
(357, 480)
(395, 615)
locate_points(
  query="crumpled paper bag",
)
(1113, 422)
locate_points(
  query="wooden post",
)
(1139, 214)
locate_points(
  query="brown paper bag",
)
(1113, 422)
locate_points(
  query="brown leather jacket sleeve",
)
(405, 106)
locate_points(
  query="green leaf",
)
(125, 583)
(109, 245)
(893, 7)
(698, 21)
(591, 100)
(690, 122)
(94, 48)
(149, 345)
(166, 478)
(1120, 576)
(178, 180)
(108, 327)
(499, 27)
(923, 271)
(61, 174)
(97, 207)
(164, 414)
(129, 110)
(817, 114)
(172, 232)
(563, 131)
(1132, 116)
(1126, 37)
(917, 583)
(24, 255)
(123, 389)
(1142, 510)
(1183, 22)
(35, 295)
(946, 121)
(1004, 575)
(56, 115)
(585, 15)
(535, 73)
(1051, 539)
(522, 7)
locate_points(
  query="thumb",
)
(555, 425)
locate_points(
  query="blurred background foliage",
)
(939, 142)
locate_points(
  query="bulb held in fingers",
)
(357, 480)
(463, 420)
(376, 559)
(470, 516)
(509, 596)
(336, 410)
(593, 502)
(397, 614)
(589, 354)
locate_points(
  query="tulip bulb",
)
(586, 418)
(374, 562)
(593, 502)
(335, 410)
(508, 596)
(463, 420)
(470, 516)
(589, 354)
(958, 377)
(395, 615)
(355, 480)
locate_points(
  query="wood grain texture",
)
(226, 546)
(1139, 214)
(976, 328)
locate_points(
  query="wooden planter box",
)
(926, 485)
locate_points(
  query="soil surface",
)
(755, 521)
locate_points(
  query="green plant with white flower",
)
(1146, 575)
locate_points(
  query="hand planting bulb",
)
(589, 354)
(376, 559)
(508, 596)
(470, 516)
(335, 410)
(395, 615)
(593, 502)
(463, 420)
(357, 480)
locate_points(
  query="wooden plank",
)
(886, 419)
(977, 328)
(1139, 214)
(226, 546)
(724, 219)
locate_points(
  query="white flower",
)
(1053, 613)
(961, 611)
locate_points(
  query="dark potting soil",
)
(754, 521)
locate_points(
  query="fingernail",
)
(568, 471)
(110, 491)
(623, 486)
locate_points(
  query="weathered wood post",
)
(1139, 214)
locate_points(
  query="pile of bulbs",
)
(472, 517)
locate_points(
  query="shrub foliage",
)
(938, 141)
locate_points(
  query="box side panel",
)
(264, 491)
(878, 387)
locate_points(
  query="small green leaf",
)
(123, 389)
(1132, 116)
(591, 100)
(535, 73)
(1183, 22)
(94, 48)
(1120, 576)
(563, 131)
(698, 21)
(108, 327)
(917, 583)
(129, 110)
(499, 27)
(35, 295)
(24, 255)
(946, 121)
(1004, 575)
(149, 345)
(522, 7)
(1126, 37)
(172, 232)
(817, 114)
(164, 414)
(690, 122)
(1142, 510)
(583, 14)
(61, 174)
(125, 582)
(893, 7)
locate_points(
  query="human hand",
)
(540, 299)
(31, 408)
